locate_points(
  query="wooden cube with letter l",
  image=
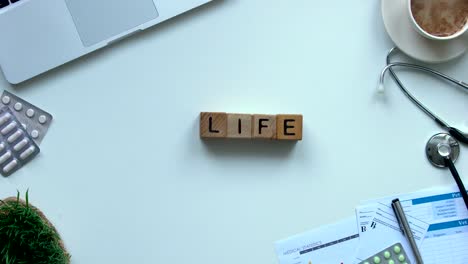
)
(213, 125)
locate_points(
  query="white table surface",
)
(125, 178)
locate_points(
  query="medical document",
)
(333, 244)
(383, 230)
(447, 235)
(438, 219)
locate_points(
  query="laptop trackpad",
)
(98, 20)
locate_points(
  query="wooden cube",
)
(239, 126)
(289, 127)
(213, 125)
(264, 126)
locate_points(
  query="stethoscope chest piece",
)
(441, 146)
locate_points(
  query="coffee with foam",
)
(440, 18)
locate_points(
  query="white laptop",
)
(38, 35)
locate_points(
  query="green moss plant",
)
(26, 236)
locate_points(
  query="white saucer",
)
(408, 40)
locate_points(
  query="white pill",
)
(27, 152)
(21, 144)
(10, 166)
(8, 128)
(5, 157)
(15, 136)
(2, 146)
(30, 112)
(35, 133)
(18, 106)
(24, 125)
(42, 119)
(4, 118)
(6, 99)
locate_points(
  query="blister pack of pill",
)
(391, 255)
(35, 120)
(16, 146)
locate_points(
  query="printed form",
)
(333, 244)
(447, 234)
(379, 229)
(438, 219)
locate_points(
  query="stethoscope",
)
(442, 149)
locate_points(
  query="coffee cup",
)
(439, 19)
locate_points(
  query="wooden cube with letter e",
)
(289, 127)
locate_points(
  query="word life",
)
(245, 126)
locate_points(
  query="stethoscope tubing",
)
(458, 180)
(453, 131)
(390, 67)
(456, 133)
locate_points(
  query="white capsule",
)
(27, 152)
(15, 136)
(2, 146)
(30, 112)
(20, 144)
(10, 166)
(8, 128)
(42, 119)
(18, 106)
(4, 118)
(6, 99)
(35, 134)
(5, 157)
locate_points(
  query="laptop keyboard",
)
(4, 3)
